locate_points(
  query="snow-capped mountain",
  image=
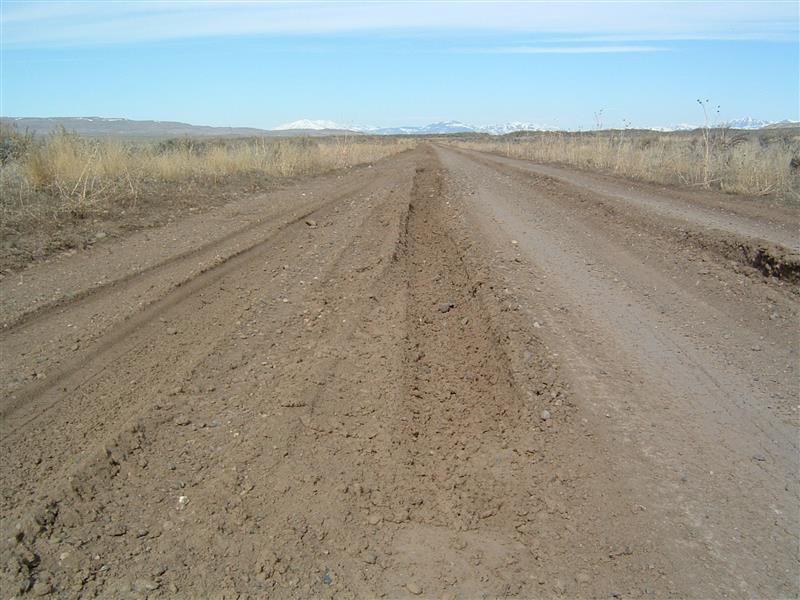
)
(743, 123)
(746, 123)
(432, 128)
(441, 127)
(315, 125)
(504, 128)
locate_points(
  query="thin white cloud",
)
(83, 22)
(564, 50)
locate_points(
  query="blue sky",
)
(400, 63)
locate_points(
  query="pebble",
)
(374, 519)
(145, 585)
(311, 223)
(401, 516)
(446, 306)
(172, 331)
(370, 558)
(182, 420)
(414, 588)
(41, 588)
(545, 415)
(582, 578)
(759, 457)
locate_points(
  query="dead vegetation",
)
(752, 163)
(57, 191)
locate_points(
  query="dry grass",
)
(741, 163)
(75, 175)
(57, 186)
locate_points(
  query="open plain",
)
(447, 374)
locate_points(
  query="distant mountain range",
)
(445, 127)
(442, 127)
(128, 128)
(131, 129)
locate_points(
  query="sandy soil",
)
(445, 375)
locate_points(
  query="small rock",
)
(100, 235)
(145, 585)
(759, 457)
(374, 519)
(514, 242)
(42, 588)
(545, 415)
(446, 306)
(536, 324)
(414, 588)
(311, 223)
(172, 331)
(182, 502)
(327, 578)
(582, 578)
(370, 558)
(182, 420)
(401, 516)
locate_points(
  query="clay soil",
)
(445, 375)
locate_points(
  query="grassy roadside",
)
(753, 163)
(64, 192)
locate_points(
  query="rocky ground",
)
(444, 375)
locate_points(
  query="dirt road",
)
(446, 374)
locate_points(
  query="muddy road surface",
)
(444, 375)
